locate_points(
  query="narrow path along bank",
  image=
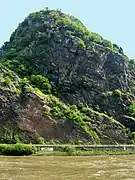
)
(85, 150)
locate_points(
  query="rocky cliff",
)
(64, 83)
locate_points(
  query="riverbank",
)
(83, 153)
(65, 150)
(84, 150)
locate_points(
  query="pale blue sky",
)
(113, 19)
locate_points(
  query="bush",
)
(84, 110)
(115, 48)
(81, 43)
(86, 118)
(107, 43)
(117, 93)
(7, 80)
(131, 109)
(73, 107)
(97, 108)
(8, 136)
(56, 111)
(40, 140)
(41, 82)
(80, 105)
(2, 147)
(133, 135)
(106, 94)
(69, 149)
(18, 150)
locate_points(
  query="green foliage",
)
(117, 93)
(17, 149)
(81, 43)
(29, 89)
(132, 62)
(9, 136)
(131, 109)
(97, 108)
(132, 138)
(21, 65)
(2, 147)
(40, 140)
(55, 111)
(24, 81)
(11, 54)
(68, 149)
(94, 135)
(36, 15)
(73, 113)
(41, 82)
(133, 135)
(73, 107)
(7, 80)
(84, 110)
(115, 48)
(96, 37)
(107, 94)
(80, 105)
(75, 117)
(108, 44)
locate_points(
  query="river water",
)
(67, 168)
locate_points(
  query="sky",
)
(112, 19)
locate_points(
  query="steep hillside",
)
(64, 83)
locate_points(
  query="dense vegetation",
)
(17, 150)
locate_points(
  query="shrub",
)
(131, 109)
(132, 62)
(7, 80)
(107, 94)
(24, 81)
(69, 149)
(19, 150)
(86, 118)
(79, 142)
(81, 43)
(131, 142)
(117, 93)
(40, 140)
(74, 107)
(2, 147)
(115, 48)
(56, 111)
(11, 54)
(107, 43)
(85, 110)
(96, 37)
(41, 82)
(132, 138)
(97, 108)
(8, 136)
(80, 105)
(133, 135)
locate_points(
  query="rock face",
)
(81, 67)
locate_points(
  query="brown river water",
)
(67, 168)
